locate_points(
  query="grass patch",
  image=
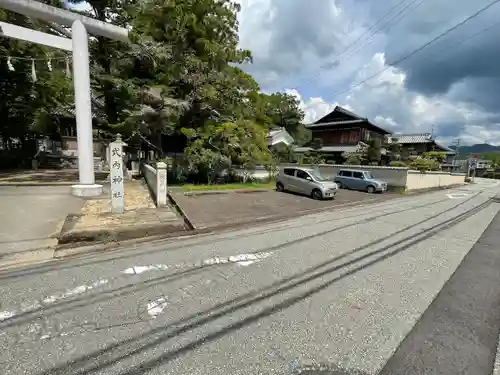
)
(250, 185)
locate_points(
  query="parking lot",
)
(233, 208)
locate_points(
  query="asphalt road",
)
(337, 292)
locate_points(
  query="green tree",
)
(26, 105)
(282, 153)
(280, 110)
(285, 111)
(352, 158)
(315, 156)
(394, 150)
(423, 165)
(435, 155)
(374, 151)
(217, 146)
(203, 42)
(112, 60)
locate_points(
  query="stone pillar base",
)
(86, 190)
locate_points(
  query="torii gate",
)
(78, 44)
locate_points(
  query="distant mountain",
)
(477, 149)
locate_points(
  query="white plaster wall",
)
(429, 180)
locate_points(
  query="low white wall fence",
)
(433, 179)
(156, 179)
(399, 177)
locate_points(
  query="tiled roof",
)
(345, 122)
(274, 132)
(276, 136)
(418, 138)
(340, 148)
(444, 148)
(412, 138)
(347, 112)
(70, 111)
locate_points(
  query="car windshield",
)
(369, 175)
(317, 176)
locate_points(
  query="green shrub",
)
(398, 164)
(424, 165)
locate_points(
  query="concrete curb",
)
(85, 248)
(114, 234)
(430, 190)
(187, 221)
(73, 249)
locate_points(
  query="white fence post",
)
(161, 184)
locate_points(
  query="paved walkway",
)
(141, 218)
(31, 217)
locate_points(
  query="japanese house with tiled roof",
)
(343, 131)
(419, 143)
(415, 145)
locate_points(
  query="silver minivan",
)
(356, 179)
(305, 181)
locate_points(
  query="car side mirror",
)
(308, 178)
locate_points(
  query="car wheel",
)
(339, 185)
(316, 194)
(370, 189)
(280, 187)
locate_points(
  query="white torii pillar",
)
(81, 77)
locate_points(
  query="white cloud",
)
(314, 108)
(292, 40)
(385, 100)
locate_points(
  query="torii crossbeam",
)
(78, 44)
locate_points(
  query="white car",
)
(305, 181)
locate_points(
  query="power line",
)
(385, 26)
(338, 54)
(459, 43)
(412, 53)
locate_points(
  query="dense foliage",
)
(182, 74)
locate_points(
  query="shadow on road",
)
(114, 353)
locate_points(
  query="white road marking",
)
(457, 195)
(155, 308)
(72, 292)
(248, 259)
(4, 315)
(240, 259)
(136, 270)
